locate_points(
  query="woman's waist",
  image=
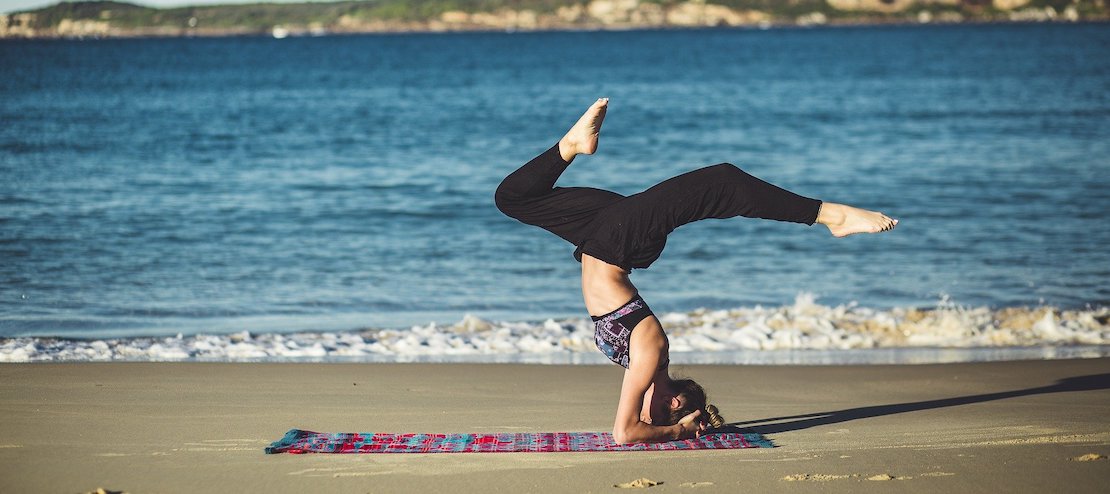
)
(605, 287)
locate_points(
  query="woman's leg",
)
(725, 191)
(529, 193)
(538, 176)
(719, 191)
(848, 220)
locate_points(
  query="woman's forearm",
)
(642, 432)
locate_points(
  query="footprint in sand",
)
(816, 477)
(821, 477)
(887, 476)
(638, 484)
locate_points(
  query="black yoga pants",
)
(631, 231)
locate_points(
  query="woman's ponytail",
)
(713, 417)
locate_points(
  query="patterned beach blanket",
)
(299, 441)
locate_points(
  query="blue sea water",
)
(163, 186)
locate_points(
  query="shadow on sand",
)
(798, 422)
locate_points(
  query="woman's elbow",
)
(621, 436)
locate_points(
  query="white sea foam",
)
(700, 336)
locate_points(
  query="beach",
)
(1012, 426)
(208, 242)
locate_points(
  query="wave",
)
(694, 335)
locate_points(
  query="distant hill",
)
(119, 19)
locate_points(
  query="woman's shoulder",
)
(649, 337)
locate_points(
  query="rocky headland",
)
(117, 19)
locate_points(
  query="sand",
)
(201, 427)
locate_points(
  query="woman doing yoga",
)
(614, 234)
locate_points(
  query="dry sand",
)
(193, 427)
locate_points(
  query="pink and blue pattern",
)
(298, 441)
(612, 335)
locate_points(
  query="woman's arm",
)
(646, 351)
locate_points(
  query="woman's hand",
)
(689, 426)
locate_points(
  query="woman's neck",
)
(657, 401)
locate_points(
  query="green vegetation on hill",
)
(259, 15)
(111, 18)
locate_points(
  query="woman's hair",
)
(695, 400)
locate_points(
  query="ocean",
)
(332, 197)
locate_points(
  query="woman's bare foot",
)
(582, 138)
(846, 220)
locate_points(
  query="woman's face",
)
(677, 402)
(662, 407)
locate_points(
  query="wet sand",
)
(201, 427)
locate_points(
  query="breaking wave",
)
(699, 336)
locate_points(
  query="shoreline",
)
(256, 33)
(904, 356)
(184, 427)
(801, 333)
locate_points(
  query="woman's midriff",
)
(605, 287)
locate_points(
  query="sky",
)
(15, 5)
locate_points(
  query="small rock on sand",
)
(637, 484)
(1089, 457)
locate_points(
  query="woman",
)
(615, 234)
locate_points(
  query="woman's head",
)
(691, 397)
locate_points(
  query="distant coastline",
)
(110, 19)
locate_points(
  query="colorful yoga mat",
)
(300, 441)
